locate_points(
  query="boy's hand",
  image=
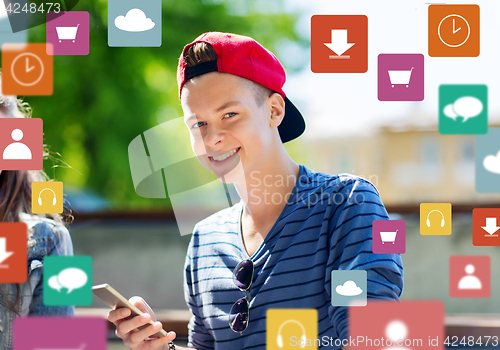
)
(127, 329)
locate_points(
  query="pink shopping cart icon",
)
(400, 77)
(388, 237)
(67, 33)
(82, 347)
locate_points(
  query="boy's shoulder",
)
(308, 181)
(221, 220)
(334, 183)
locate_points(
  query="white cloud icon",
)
(492, 163)
(466, 107)
(134, 21)
(348, 289)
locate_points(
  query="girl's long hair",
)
(15, 185)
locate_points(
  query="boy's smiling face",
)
(230, 130)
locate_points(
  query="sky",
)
(346, 103)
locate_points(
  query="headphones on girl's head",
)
(429, 221)
(54, 201)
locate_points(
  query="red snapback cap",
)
(243, 56)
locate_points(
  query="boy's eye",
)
(197, 125)
(200, 124)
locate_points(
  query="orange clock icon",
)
(453, 30)
(27, 69)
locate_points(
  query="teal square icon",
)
(134, 23)
(349, 287)
(463, 109)
(67, 280)
(7, 35)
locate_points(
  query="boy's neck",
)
(267, 191)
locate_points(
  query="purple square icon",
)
(68, 33)
(401, 77)
(48, 333)
(389, 236)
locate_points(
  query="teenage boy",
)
(278, 246)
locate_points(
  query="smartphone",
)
(115, 300)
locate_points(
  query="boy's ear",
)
(277, 107)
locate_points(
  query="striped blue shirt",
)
(326, 225)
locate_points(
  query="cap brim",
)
(293, 124)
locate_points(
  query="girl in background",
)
(47, 236)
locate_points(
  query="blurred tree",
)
(102, 101)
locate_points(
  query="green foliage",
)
(102, 101)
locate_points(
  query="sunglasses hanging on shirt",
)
(242, 277)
